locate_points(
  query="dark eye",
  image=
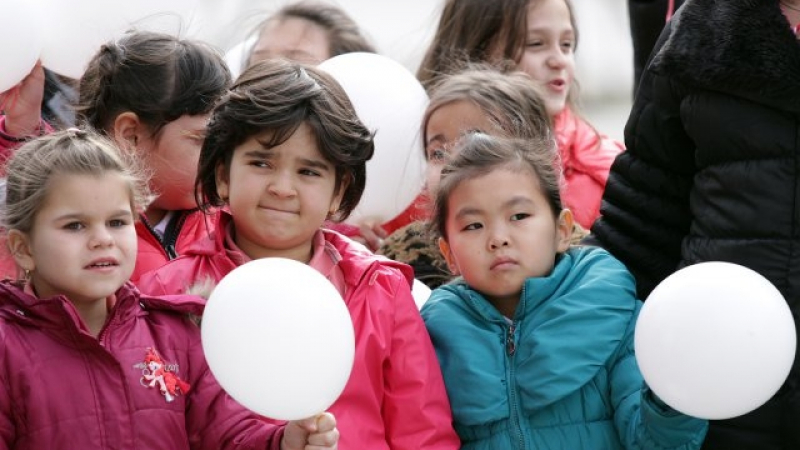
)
(74, 226)
(473, 226)
(437, 155)
(309, 172)
(117, 223)
(519, 216)
(260, 163)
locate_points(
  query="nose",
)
(101, 237)
(557, 59)
(281, 185)
(498, 239)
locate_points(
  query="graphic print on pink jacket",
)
(143, 383)
(586, 158)
(395, 398)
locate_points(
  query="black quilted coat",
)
(712, 172)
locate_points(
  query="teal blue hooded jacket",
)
(562, 374)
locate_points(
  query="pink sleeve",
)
(416, 410)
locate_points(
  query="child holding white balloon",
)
(284, 152)
(87, 361)
(546, 330)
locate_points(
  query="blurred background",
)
(403, 29)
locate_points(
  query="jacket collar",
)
(740, 47)
(57, 315)
(356, 261)
(571, 321)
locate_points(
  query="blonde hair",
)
(72, 152)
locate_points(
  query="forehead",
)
(88, 193)
(293, 38)
(549, 14)
(301, 144)
(492, 190)
(452, 119)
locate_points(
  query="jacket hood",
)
(587, 292)
(740, 47)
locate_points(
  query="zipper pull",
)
(510, 345)
(171, 253)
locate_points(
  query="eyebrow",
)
(436, 138)
(516, 200)
(80, 216)
(267, 153)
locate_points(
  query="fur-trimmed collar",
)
(740, 47)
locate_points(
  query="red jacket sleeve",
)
(214, 421)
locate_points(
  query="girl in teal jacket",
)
(535, 339)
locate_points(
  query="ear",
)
(564, 229)
(444, 247)
(127, 128)
(221, 178)
(19, 246)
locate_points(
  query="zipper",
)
(171, 233)
(513, 400)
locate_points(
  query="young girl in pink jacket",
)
(87, 362)
(285, 152)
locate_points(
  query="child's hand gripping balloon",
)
(319, 432)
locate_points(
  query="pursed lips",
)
(278, 210)
(502, 262)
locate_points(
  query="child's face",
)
(292, 38)
(83, 241)
(548, 56)
(445, 125)
(172, 157)
(280, 196)
(501, 231)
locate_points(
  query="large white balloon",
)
(22, 44)
(279, 338)
(715, 340)
(75, 30)
(390, 101)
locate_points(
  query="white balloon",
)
(421, 293)
(23, 43)
(236, 57)
(74, 31)
(715, 340)
(391, 102)
(279, 338)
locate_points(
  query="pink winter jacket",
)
(62, 388)
(395, 398)
(586, 157)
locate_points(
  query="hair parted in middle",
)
(273, 98)
(479, 154)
